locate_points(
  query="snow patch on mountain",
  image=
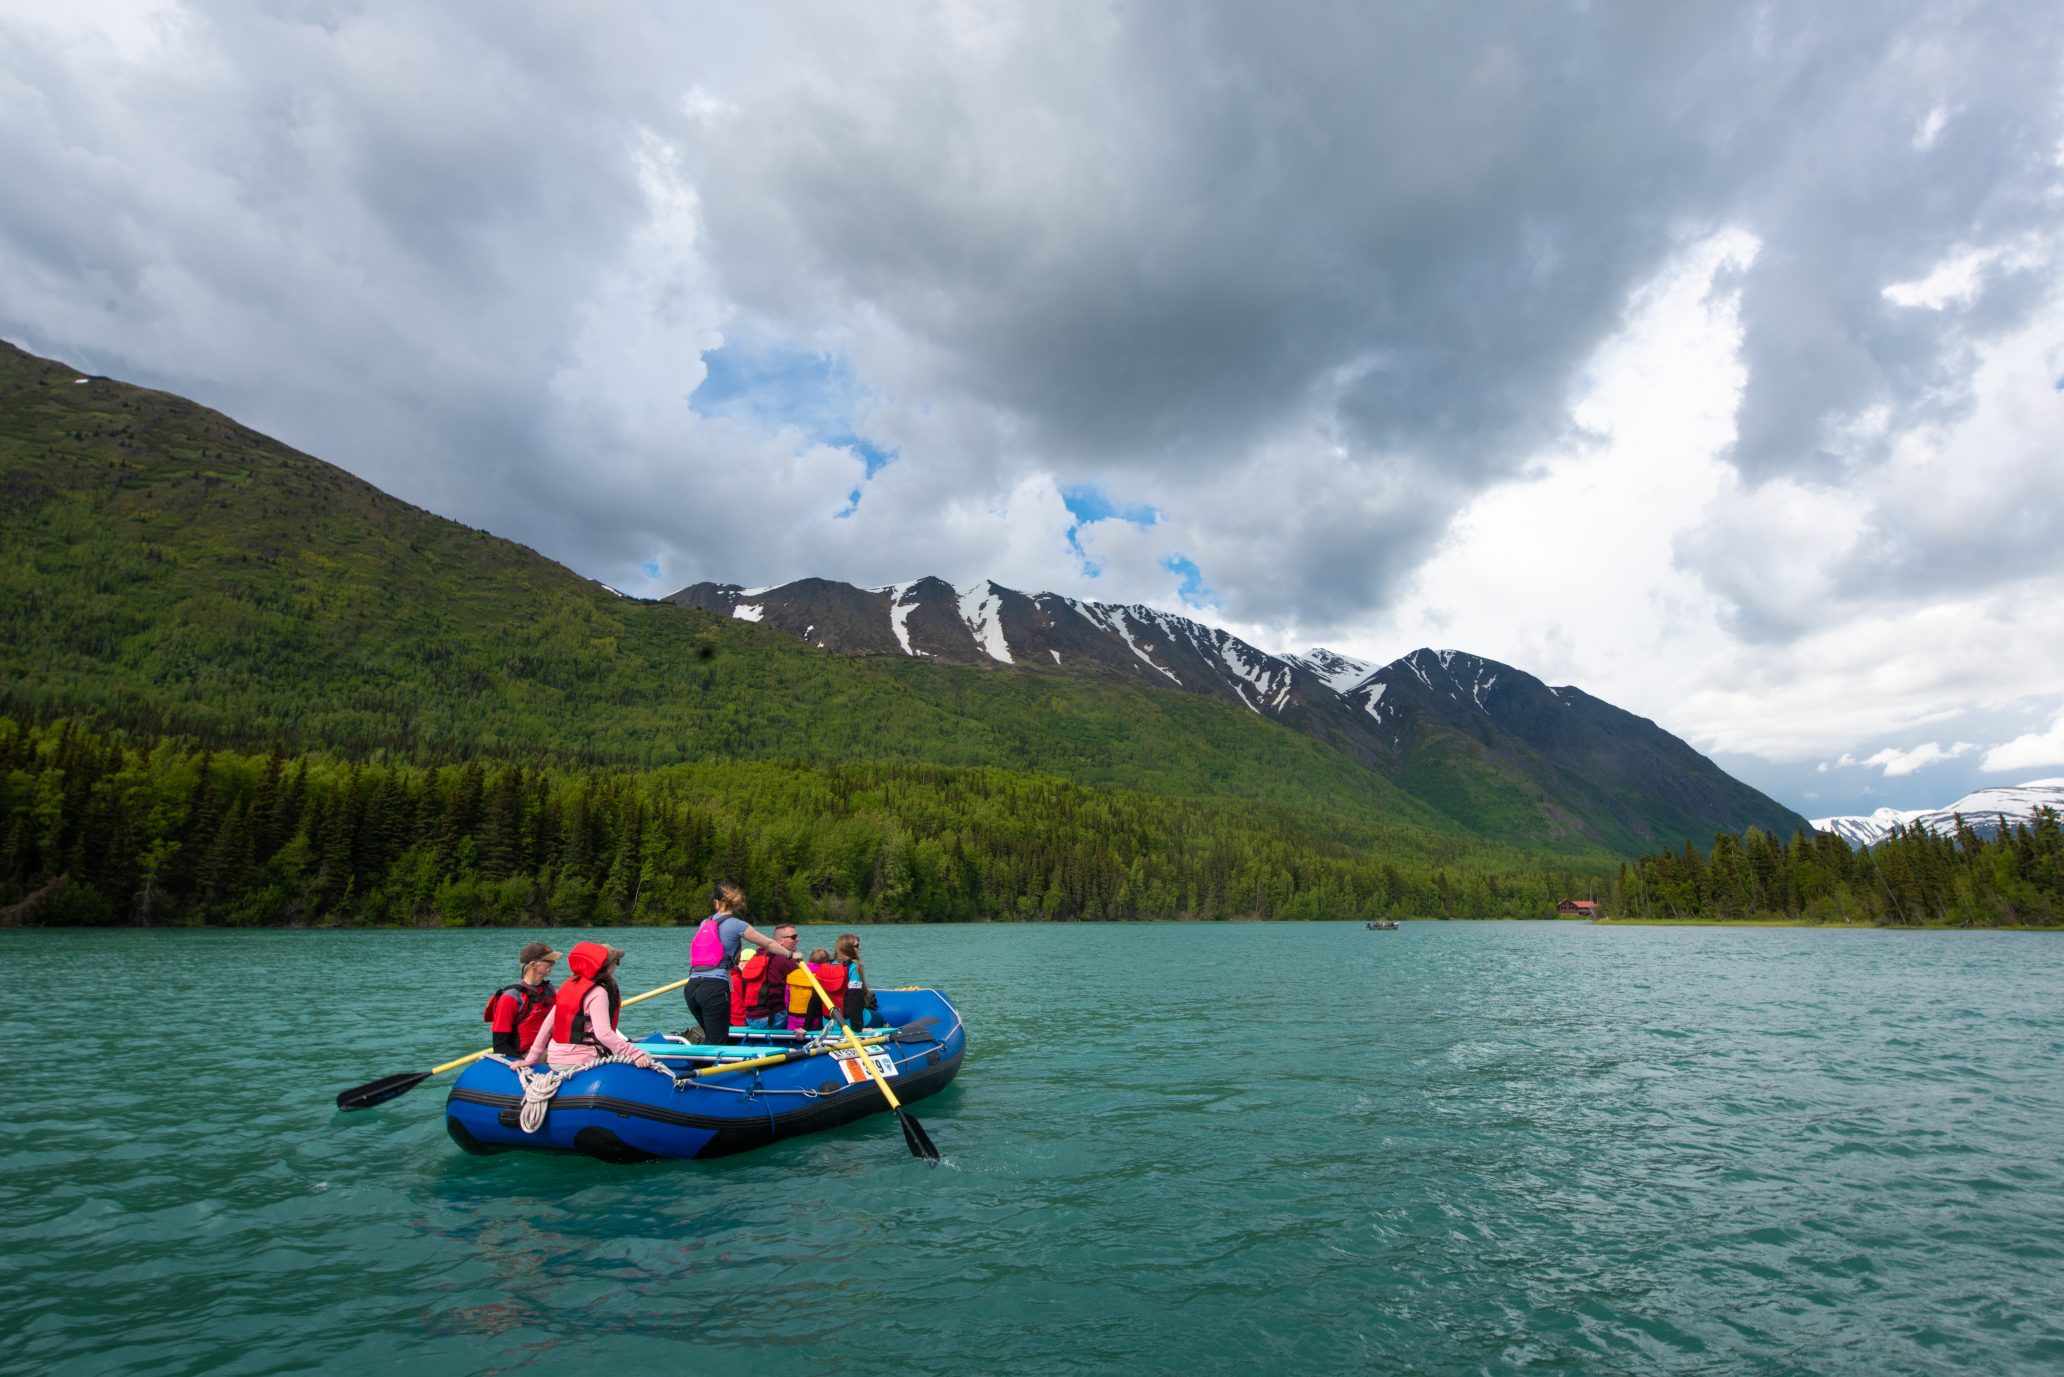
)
(1981, 810)
(1263, 673)
(1375, 697)
(1120, 624)
(899, 614)
(748, 611)
(981, 607)
(1341, 673)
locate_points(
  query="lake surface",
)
(1299, 1148)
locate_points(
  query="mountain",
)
(1489, 745)
(172, 571)
(1983, 811)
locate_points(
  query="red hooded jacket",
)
(569, 1023)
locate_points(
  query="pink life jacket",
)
(706, 950)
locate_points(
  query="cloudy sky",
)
(1710, 357)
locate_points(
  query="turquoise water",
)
(1457, 1148)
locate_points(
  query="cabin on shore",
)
(1578, 908)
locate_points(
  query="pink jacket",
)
(596, 1007)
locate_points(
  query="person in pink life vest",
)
(713, 954)
(582, 1027)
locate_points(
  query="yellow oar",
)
(795, 1054)
(913, 1132)
(388, 1087)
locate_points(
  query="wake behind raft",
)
(717, 1100)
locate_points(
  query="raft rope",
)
(540, 1086)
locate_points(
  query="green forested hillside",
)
(170, 571)
(98, 827)
(191, 586)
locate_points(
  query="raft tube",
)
(624, 1113)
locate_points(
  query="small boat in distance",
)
(1381, 925)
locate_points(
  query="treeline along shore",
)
(1914, 878)
(99, 826)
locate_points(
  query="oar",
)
(913, 1132)
(390, 1087)
(735, 1058)
(778, 1059)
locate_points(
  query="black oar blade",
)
(920, 1142)
(380, 1091)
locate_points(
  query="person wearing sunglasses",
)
(858, 999)
(760, 980)
(514, 1012)
(582, 1027)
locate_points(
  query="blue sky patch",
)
(778, 387)
(815, 393)
(650, 568)
(1086, 502)
(1192, 592)
(874, 456)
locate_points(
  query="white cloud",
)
(2036, 749)
(1894, 761)
(1594, 361)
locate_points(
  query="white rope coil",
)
(540, 1086)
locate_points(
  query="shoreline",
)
(686, 924)
(1817, 923)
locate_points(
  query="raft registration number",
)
(849, 1064)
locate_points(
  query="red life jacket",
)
(746, 980)
(802, 995)
(533, 1002)
(773, 983)
(569, 1012)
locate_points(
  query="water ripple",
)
(1452, 1149)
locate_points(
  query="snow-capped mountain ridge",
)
(1982, 811)
(1484, 739)
(989, 622)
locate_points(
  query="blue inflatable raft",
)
(718, 1100)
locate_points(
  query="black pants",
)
(709, 1000)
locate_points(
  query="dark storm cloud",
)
(362, 232)
(1306, 277)
(1863, 194)
(1160, 240)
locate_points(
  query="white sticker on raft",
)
(854, 1072)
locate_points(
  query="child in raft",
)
(582, 1027)
(805, 1009)
(848, 957)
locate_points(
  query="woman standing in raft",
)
(713, 953)
(583, 1022)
